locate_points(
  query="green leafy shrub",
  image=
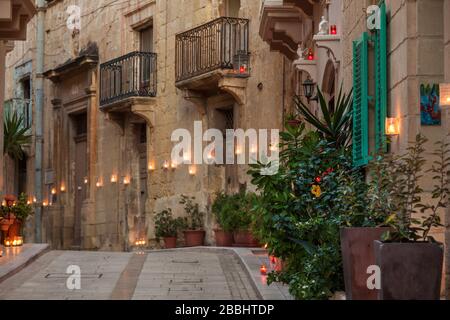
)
(233, 212)
(22, 210)
(335, 125)
(166, 225)
(403, 192)
(195, 217)
(301, 209)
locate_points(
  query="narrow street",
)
(176, 275)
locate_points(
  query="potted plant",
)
(167, 227)
(369, 207)
(242, 221)
(22, 210)
(410, 259)
(194, 235)
(293, 120)
(223, 208)
(7, 212)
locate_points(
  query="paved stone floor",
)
(187, 275)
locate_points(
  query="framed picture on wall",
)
(430, 109)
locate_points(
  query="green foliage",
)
(336, 125)
(404, 199)
(194, 220)
(300, 211)
(166, 225)
(22, 210)
(232, 212)
(15, 135)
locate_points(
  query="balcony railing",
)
(132, 75)
(218, 44)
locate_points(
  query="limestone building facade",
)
(107, 122)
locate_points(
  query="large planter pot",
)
(357, 256)
(5, 224)
(409, 271)
(245, 239)
(223, 238)
(194, 238)
(15, 228)
(170, 242)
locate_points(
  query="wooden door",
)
(143, 175)
(80, 174)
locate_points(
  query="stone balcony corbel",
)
(235, 87)
(331, 43)
(308, 66)
(198, 99)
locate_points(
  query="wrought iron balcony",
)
(220, 44)
(132, 75)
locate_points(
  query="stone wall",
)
(112, 217)
(415, 57)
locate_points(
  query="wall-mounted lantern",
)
(309, 89)
(241, 63)
(192, 170)
(444, 93)
(166, 165)
(113, 178)
(392, 127)
(62, 187)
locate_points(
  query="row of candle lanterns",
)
(167, 165)
(13, 242)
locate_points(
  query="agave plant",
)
(336, 125)
(15, 135)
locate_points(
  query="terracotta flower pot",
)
(409, 271)
(294, 123)
(223, 238)
(15, 229)
(5, 224)
(194, 238)
(170, 242)
(245, 239)
(357, 256)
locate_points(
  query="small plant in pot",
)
(167, 227)
(194, 235)
(223, 209)
(368, 208)
(242, 221)
(410, 259)
(22, 210)
(7, 216)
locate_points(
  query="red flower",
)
(318, 179)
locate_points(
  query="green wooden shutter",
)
(381, 100)
(361, 101)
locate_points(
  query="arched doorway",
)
(329, 84)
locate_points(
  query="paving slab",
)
(15, 259)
